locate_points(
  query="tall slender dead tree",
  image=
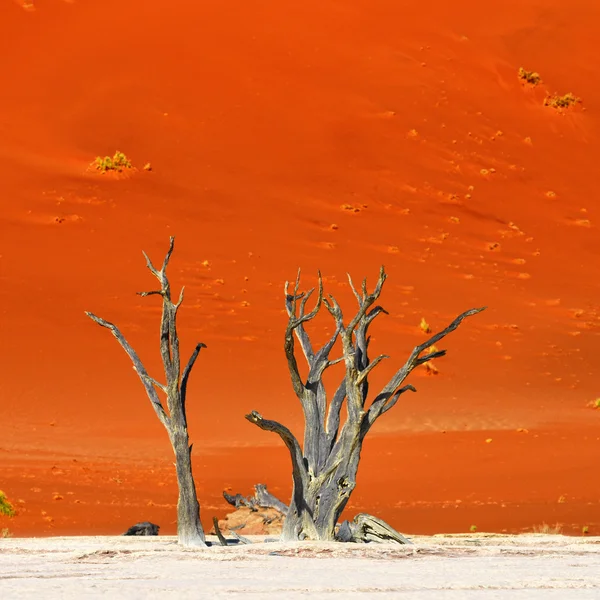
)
(324, 468)
(174, 419)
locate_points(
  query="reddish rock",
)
(264, 521)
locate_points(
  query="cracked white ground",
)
(477, 566)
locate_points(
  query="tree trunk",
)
(315, 510)
(189, 527)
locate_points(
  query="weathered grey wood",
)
(222, 540)
(265, 499)
(344, 533)
(238, 500)
(240, 538)
(366, 528)
(174, 419)
(324, 469)
(262, 498)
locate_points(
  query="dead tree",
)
(324, 468)
(262, 499)
(367, 528)
(189, 527)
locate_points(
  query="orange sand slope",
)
(332, 136)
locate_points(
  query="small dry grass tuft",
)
(547, 529)
(424, 326)
(556, 101)
(5, 533)
(430, 368)
(530, 77)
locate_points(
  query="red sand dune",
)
(328, 135)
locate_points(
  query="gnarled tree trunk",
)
(324, 468)
(189, 527)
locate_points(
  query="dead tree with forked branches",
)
(189, 527)
(324, 468)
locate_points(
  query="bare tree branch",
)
(333, 417)
(151, 293)
(262, 499)
(302, 316)
(387, 396)
(218, 533)
(168, 255)
(296, 321)
(367, 300)
(268, 500)
(321, 362)
(335, 310)
(190, 366)
(151, 267)
(358, 297)
(240, 538)
(160, 386)
(139, 368)
(286, 435)
(186, 373)
(370, 316)
(392, 401)
(180, 301)
(365, 372)
(430, 356)
(295, 327)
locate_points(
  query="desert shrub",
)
(6, 508)
(119, 162)
(557, 101)
(5, 533)
(529, 76)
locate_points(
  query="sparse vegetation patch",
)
(6, 508)
(530, 77)
(558, 102)
(424, 326)
(118, 162)
(547, 529)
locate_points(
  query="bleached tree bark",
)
(262, 499)
(367, 528)
(174, 419)
(324, 467)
